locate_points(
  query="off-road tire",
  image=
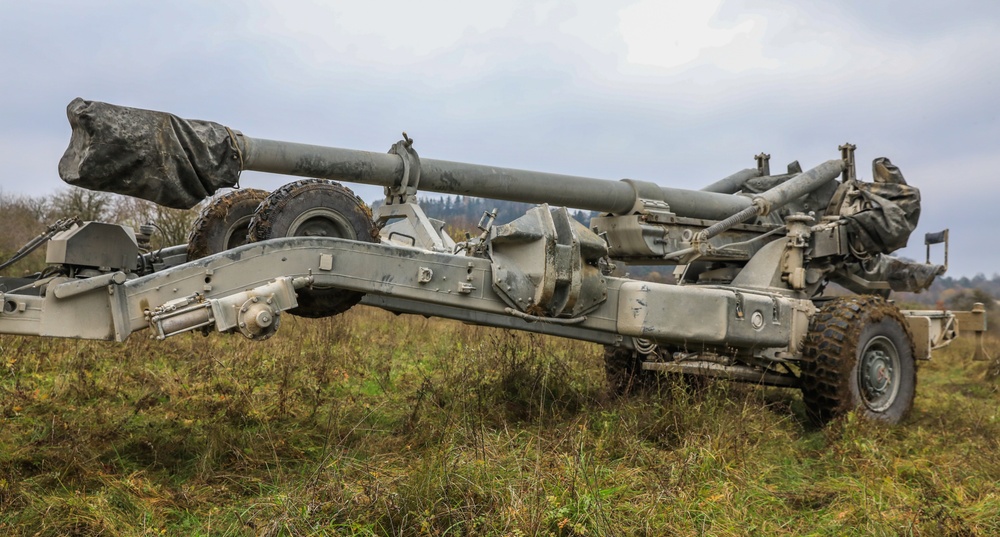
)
(858, 354)
(223, 223)
(315, 207)
(625, 375)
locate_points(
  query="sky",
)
(680, 93)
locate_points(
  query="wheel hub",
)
(877, 374)
(321, 222)
(314, 208)
(236, 235)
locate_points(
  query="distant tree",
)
(24, 218)
(172, 225)
(965, 300)
(85, 204)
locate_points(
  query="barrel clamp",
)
(409, 225)
(405, 188)
(647, 198)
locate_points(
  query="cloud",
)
(681, 93)
(676, 34)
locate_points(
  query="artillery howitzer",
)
(753, 255)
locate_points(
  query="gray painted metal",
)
(213, 290)
(545, 263)
(730, 372)
(733, 183)
(801, 184)
(772, 199)
(94, 244)
(382, 169)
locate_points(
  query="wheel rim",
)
(878, 374)
(321, 222)
(236, 235)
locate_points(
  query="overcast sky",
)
(678, 93)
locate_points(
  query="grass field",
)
(370, 424)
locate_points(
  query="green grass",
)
(370, 424)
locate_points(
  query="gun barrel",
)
(178, 163)
(732, 183)
(382, 169)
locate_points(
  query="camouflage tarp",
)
(146, 154)
(909, 276)
(880, 215)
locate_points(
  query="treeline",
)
(463, 213)
(959, 293)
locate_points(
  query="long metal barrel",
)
(382, 169)
(178, 163)
(767, 201)
(801, 184)
(733, 183)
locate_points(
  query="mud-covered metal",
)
(545, 264)
(177, 163)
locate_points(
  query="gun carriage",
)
(754, 255)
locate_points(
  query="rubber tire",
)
(832, 353)
(338, 213)
(624, 372)
(224, 222)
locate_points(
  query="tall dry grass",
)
(371, 424)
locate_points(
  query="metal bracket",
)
(544, 264)
(401, 204)
(850, 174)
(405, 189)
(937, 238)
(413, 227)
(763, 164)
(647, 198)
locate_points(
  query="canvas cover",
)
(879, 215)
(147, 154)
(909, 276)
